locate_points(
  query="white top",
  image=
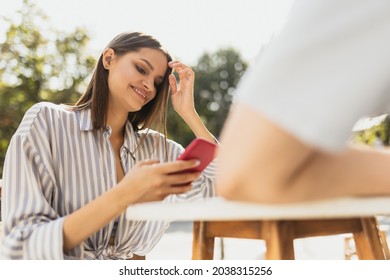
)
(329, 66)
(218, 209)
(55, 164)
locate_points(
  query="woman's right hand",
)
(152, 181)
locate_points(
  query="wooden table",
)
(278, 225)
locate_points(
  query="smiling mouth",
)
(141, 94)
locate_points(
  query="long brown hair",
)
(96, 95)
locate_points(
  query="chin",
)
(137, 109)
(132, 108)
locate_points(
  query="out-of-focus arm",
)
(260, 162)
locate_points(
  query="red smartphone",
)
(199, 149)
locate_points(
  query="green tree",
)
(216, 77)
(38, 63)
(376, 132)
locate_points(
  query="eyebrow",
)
(148, 63)
(151, 67)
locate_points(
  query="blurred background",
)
(48, 49)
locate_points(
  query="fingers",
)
(170, 167)
(184, 71)
(186, 74)
(178, 166)
(173, 83)
(169, 174)
(178, 66)
(182, 178)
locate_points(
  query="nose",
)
(148, 84)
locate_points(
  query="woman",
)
(70, 172)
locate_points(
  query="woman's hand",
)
(182, 98)
(152, 181)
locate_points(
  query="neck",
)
(117, 122)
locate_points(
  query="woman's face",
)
(134, 77)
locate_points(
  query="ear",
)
(108, 56)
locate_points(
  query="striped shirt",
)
(55, 164)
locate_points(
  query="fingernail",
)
(197, 162)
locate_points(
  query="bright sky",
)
(187, 28)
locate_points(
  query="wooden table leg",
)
(202, 244)
(368, 241)
(385, 244)
(279, 239)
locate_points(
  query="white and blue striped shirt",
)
(55, 164)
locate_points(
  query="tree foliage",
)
(38, 63)
(378, 133)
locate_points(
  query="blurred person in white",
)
(71, 171)
(286, 137)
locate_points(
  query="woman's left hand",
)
(183, 97)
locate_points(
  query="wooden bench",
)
(278, 225)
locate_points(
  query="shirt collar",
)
(131, 137)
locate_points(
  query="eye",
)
(140, 69)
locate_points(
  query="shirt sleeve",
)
(32, 228)
(327, 68)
